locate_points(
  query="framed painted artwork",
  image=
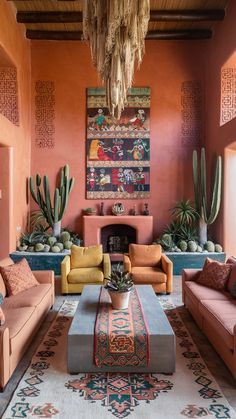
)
(118, 151)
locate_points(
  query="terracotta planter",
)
(119, 300)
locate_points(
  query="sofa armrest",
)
(5, 372)
(106, 265)
(188, 275)
(127, 263)
(65, 269)
(44, 277)
(167, 267)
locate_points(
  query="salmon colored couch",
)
(215, 314)
(24, 313)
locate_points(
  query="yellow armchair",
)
(85, 266)
(149, 265)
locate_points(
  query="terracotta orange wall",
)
(165, 66)
(17, 49)
(218, 52)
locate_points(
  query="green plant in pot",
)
(52, 210)
(119, 285)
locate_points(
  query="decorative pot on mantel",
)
(119, 300)
(117, 209)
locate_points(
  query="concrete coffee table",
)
(81, 335)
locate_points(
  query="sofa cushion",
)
(231, 284)
(85, 276)
(145, 255)
(147, 275)
(221, 317)
(86, 257)
(28, 298)
(214, 274)
(199, 293)
(18, 277)
(4, 262)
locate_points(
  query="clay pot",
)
(119, 300)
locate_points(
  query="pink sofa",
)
(215, 314)
(24, 313)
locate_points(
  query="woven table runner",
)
(120, 336)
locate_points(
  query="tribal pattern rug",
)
(48, 391)
(121, 336)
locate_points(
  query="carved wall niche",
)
(228, 95)
(192, 113)
(8, 89)
(44, 114)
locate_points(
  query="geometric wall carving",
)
(44, 114)
(228, 95)
(9, 94)
(192, 113)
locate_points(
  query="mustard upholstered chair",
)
(85, 266)
(149, 265)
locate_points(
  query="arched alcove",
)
(230, 199)
(8, 88)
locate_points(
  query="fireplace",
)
(127, 228)
(115, 238)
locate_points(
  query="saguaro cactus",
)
(52, 212)
(206, 215)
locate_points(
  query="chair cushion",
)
(18, 277)
(86, 257)
(221, 316)
(214, 274)
(28, 298)
(148, 275)
(145, 255)
(85, 276)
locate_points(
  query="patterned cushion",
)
(214, 274)
(18, 277)
(2, 316)
(231, 284)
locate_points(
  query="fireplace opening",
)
(115, 238)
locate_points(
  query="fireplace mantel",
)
(92, 225)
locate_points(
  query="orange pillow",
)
(214, 274)
(18, 277)
(145, 255)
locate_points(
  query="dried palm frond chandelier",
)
(116, 31)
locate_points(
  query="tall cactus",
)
(52, 212)
(206, 215)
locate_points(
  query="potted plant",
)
(119, 285)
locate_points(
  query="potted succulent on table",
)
(119, 285)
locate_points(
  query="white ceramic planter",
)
(119, 300)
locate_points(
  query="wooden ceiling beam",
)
(155, 16)
(152, 35)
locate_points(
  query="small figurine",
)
(133, 211)
(146, 210)
(102, 208)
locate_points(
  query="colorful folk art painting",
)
(118, 151)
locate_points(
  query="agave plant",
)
(184, 212)
(119, 281)
(30, 239)
(38, 221)
(187, 232)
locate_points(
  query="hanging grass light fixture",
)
(116, 31)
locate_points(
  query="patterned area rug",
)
(48, 391)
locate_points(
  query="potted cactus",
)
(119, 285)
(207, 215)
(53, 213)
